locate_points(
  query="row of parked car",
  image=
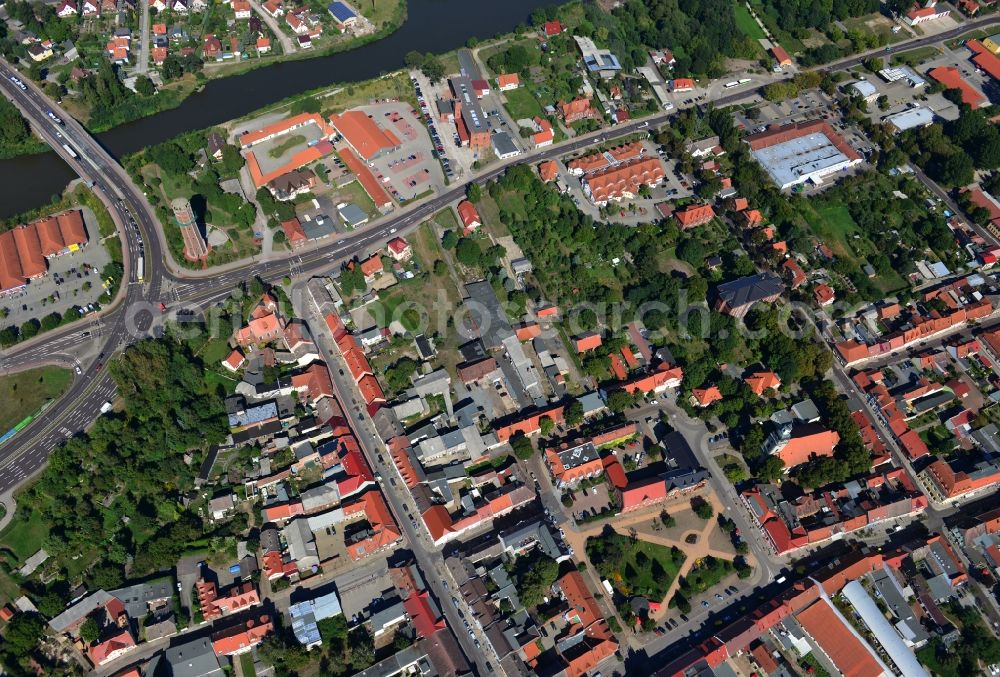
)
(429, 120)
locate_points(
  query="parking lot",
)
(73, 280)
(412, 169)
(455, 160)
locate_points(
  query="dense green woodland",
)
(15, 134)
(795, 15)
(701, 33)
(131, 464)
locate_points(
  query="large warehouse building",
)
(802, 152)
(24, 250)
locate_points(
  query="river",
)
(431, 26)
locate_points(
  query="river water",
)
(431, 26)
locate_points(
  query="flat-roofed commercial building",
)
(802, 152)
(911, 118)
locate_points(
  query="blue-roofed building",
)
(253, 415)
(599, 61)
(306, 615)
(344, 15)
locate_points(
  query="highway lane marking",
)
(27, 444)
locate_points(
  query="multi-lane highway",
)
(135, 310)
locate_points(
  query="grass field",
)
(522, 105)
(25, 537)
(246, 663)
(833, 224)
(916, 56)
(746, 23)
(645, 568)
(23, 393)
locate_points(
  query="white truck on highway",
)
(69, 149)
(106, 407)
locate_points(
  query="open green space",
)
(286, 145)
(25, 537)
(521, 104)
(833, 224)
(24, 392)
(634, 566)
(746, 23)
(917, 56)
(246, 665)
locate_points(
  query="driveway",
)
(288, 45)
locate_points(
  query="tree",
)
(352, 279)
(691, 251)
(89, 631)
(474, 192)
(29, 329)
(23, 633)
(522, 447)
(546, 425)
(534, 574)
(398, 375)
(468, 252)
(620, 400)
(574, 413)
(170, 157)
(413, 59)
(735, 473)
(702, 508)
(232, 161)
(51, 321)
(433, 68)
(449, 239)
(144, 86)
(771, 470)
(667, 519)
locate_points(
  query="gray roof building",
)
(140, 598)
(193, 659)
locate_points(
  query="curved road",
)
(134, 314)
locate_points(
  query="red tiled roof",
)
(706, 396)
(111, 648)
(548, 170)
(625, 179)
(951, 78)
(507, 79)
(780, 55)
(367, 180)
(372, 265)
(293, 230)
(762, 381)
(984, 58)
(694, 215)
(240, 638)
(643, 493)
(469, 215)
(23, 250)
(586, 342)
(847, 652)
(363, 134)
(418, 608)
